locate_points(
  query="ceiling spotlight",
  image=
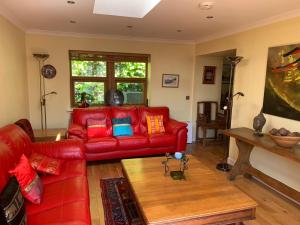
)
(73, 21)
(209, 17)
(71, 2)
(206, 5)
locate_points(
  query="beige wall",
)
(165, 58)
(206, 92)
(250, 79)
(13, 80)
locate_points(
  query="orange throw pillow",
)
(155, 124)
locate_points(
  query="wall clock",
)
(48, 71)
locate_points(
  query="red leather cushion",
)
(144, 111)
(44, 164)
(30, 183)
(59, 193)
(80, 116)
(97, 145)
(73, 213)
(70, 168)
(162, 140)
(132, 112)
(97, 128)
(132, 142)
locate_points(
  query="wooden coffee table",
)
(205, 197)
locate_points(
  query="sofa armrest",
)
(173, 126)
(77, 131)
(64, 149)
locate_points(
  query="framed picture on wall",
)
(209, 74)
(170, 80)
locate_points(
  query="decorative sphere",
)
(178, 155)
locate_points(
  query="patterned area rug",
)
(119, 206)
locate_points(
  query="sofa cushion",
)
(70, 168)
(162, 140)
(81, 115)
(12, 208)
(132, 142)
(59, 193)
(31, 185)
(152, 111)
(122, 126)
(96, 128)
(72, 213)
(45, 165)
(132, 112)
(155, 124)
(105, 144)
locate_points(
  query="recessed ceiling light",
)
(127, 8)
(209, 17)
(71, 2)
(73, 21)
(206, 5)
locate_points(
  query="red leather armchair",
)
(140, 144)
(66, 197)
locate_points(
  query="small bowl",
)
(285, 141)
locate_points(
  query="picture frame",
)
(209, 74)
(170, 80)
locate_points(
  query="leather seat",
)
(70, 168)
(132, 142)
(105, 144)
(162, 140)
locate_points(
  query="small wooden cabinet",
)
(54, 134)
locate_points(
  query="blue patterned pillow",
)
(122, 127)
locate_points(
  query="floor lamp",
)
(234, 60)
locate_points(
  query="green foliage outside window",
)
(130, 69)
(94, 92)
(88, 68)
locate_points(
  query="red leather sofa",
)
(140, 144)
(66, 197)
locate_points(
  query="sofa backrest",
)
(144, 111)
(13, 143)
(137, 114)
(80, 115)
(121, 112)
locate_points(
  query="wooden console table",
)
(50, 134)
(246, 141)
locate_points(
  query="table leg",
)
(242, 163)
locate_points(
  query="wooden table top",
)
(246, 135)
(163, 200)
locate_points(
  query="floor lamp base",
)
(223, 167)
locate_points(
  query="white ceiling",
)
(162, 22)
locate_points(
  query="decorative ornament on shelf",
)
(284, 138)
(178, 174)
(114, 97)
(258, 123)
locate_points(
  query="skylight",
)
(128, 8)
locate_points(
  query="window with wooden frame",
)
(96, 72)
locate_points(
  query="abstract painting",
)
(282, 87)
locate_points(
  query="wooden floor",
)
(273, 209)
